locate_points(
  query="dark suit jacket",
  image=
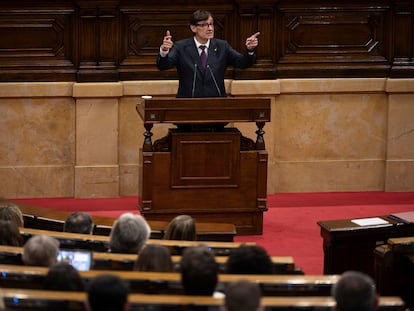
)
(193, 80)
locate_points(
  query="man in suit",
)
(203, 75)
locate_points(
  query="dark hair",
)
(199, 271)
(181, 227)
(78, 222)
(355, 291)
(249, 259)
(154, 258)
(198, 16)
(10, 233)
(63, 276)
(107, 292)
(242, 295)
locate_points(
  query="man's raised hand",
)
(167, 43)
(252, 42)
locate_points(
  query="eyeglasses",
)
(205, 25)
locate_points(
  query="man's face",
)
(204, 30)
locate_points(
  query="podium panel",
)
(214, 174)
(197, 162)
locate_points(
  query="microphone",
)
(194, 80)
(214, 80)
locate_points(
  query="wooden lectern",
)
(203, 168)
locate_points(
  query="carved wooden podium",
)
(203, 168)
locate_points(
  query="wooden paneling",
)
(110, 40)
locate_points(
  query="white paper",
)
(370, 221)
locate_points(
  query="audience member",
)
(79, 222)
(64, 277)
(107, 293)
(355, 291)
(249, 259)
(181, 227)
(129, 234)
(154, 258)
(10, 234)
(40, 250)
(10, 211)
(199, 271)
(242, 295)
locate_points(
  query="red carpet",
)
(290, 227)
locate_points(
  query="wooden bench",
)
(15, 276)
(38, 217)
(21, 299)
(115, 261)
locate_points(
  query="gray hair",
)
(40, 250)
(129, 234)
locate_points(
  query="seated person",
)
(199, 271)
(10, 234)
(355, 291)
(10, 211)
(129, 234)
(107, 293)
(249, 259)
(154, 258)
(78, 222)
(242, 295)
(64, 277)
(181, 227)
(40, 250)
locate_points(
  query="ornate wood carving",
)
(109, 40)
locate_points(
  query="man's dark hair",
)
(355, 291)
(107, 293)
(78, 222)
(249, 259)
(198, 16)
(242, 295)
(199, 271)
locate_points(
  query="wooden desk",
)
(116, 261)
(100, 243)
(347, 245)
(18, 276)
(74, 301)
(38, 217)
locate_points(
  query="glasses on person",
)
(205, 25)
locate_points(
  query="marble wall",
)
(68, 139)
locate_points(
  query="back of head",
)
(107, 293)
(10, 211)
(64, 277)
(154, 258)
(40, 250)
(78, 222)
(355, 291)
(181, 227)
(129, 234)
(199, 271)
(10, 234)
(242, 295)
(249, 259)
